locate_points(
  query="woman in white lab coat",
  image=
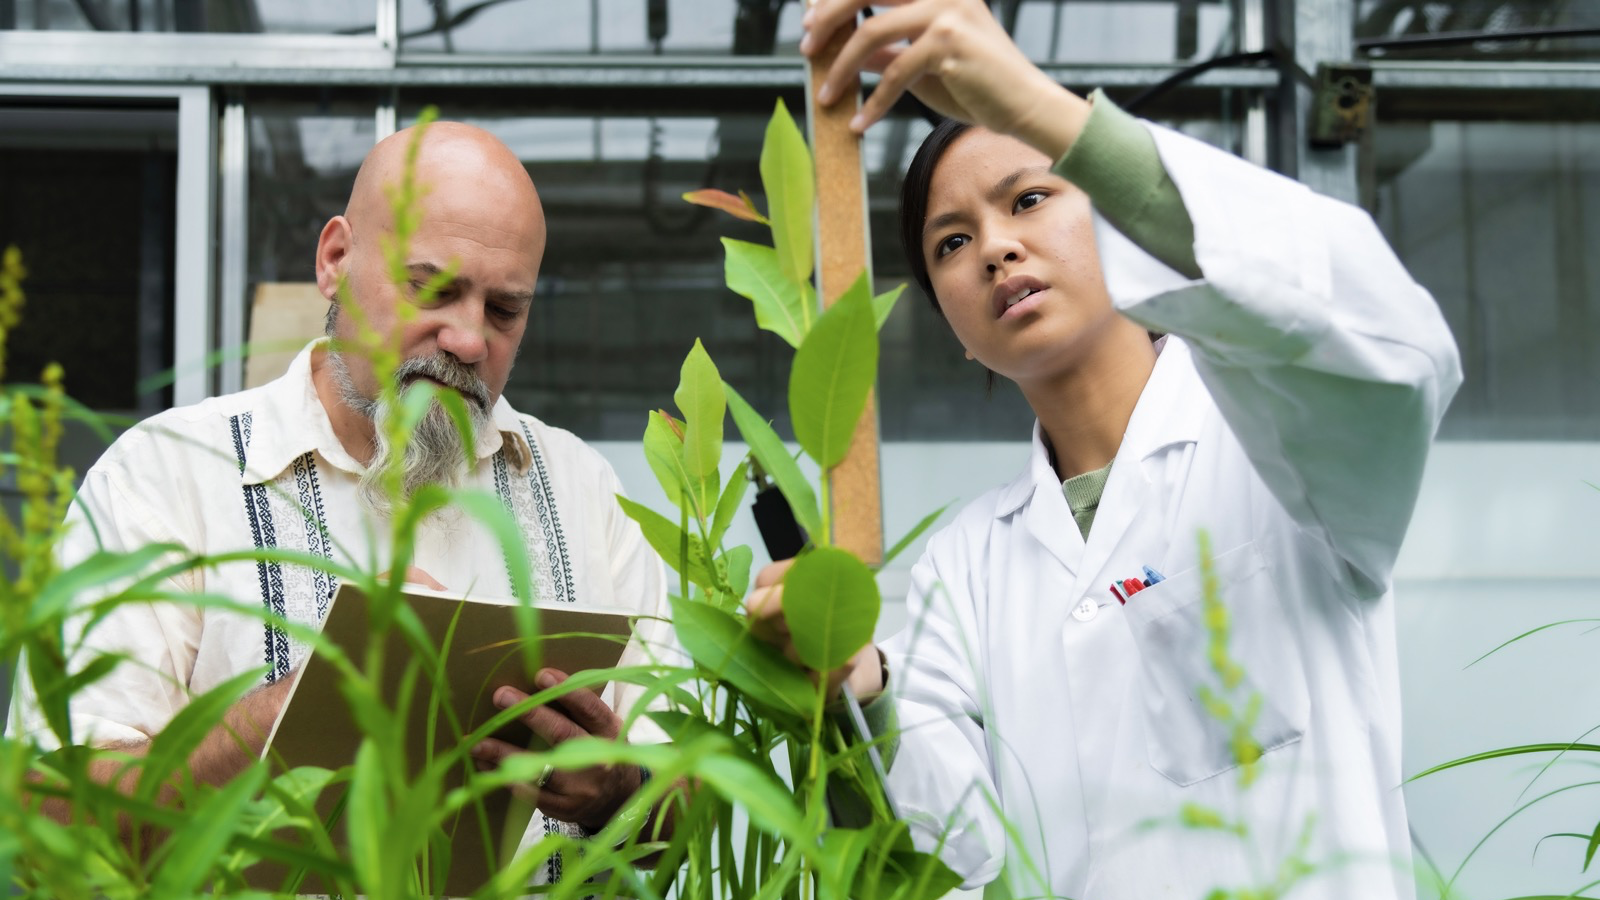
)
(1287, 416)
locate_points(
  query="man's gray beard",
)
(435, 453)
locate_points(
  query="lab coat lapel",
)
(1129, 523)
(1046, 514)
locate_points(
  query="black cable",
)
(1446, 39)
(1195, 71)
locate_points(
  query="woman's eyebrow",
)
(995, 194)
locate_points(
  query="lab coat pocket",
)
(1185, 741)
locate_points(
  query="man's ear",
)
(333, 250)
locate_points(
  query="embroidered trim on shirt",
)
(275, 650)
(317, 538)
(550, 524)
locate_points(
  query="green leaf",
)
(668, 539)
(758, 794)
(1503, 752)
(774, 459)
(883, 304)
(728, 505)
(364, 819)
(1594, 843)
(784, 307)
(787, 176)
(172, 746)
(739, 207)
(914, 533)
(738, 560)
(833, 373)
(663, 450)
(723, 646)
(699, 398)
(840, 858)
(831, 602)
(206, 831)
(98, 570)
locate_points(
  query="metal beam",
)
(1324, 31)
(573, 72)
(111, 52)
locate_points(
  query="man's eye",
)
(949, 245)
(1029, 200)
(506, 313)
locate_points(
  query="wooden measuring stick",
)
(842, 255)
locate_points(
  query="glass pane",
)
(88, 193)
(632, 276)
(303, 161)
(1477, 29)
(276, 17)
(1060, 30)
(1495, 219)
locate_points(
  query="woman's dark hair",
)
(914, 200)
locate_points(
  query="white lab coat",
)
(1289, 418)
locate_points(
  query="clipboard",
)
(316, 727)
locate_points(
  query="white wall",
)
(1504, 540)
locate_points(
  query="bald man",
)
(292, 465)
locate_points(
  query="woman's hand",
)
(958, 61)
(864, 671)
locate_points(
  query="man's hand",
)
(589, 797)
(864, 671)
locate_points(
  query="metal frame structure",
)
(194, 302)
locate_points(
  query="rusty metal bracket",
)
(1342, 104)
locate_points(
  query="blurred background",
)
(166, 165)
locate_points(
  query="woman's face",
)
(1011, 254)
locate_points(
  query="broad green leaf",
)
(699, 398)
(739, 207)
(206, 831)
(758, 794)
(774, 459)
(724, 646)
(732, 496)
(833, 373)
(667, 540)
(663, 450)
(787, 176)
(784, 307)
(738, 560)
(1594, 843)
(910, 536)
(830, 601)
(883, 304)
(840, 858)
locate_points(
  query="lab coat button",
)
(1086, 610)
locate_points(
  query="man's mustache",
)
(447, 370)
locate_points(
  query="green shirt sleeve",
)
(1116, 163)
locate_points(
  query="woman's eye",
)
(949, 245)
(1029, 200)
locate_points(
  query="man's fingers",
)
(583, 706)
(551, 725)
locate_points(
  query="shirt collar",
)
(1171, 410)
(289, 421)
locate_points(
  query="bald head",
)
(454, 156)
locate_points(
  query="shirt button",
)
(1086, 610)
